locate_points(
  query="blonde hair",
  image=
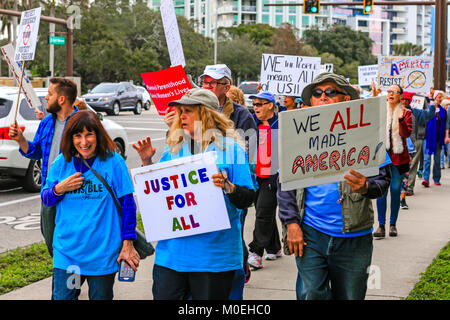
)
(214, 126)
(236, 95)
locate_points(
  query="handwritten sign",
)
(165, 86)
(327, 67)
(177, 198)
(411, 73)
(320, 144)
(16, 68)
(287, 75)
(418, 102)
(172, 33)
(28, 35)
(367, 75)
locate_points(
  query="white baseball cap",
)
(217, 71)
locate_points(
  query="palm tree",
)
(407, 49)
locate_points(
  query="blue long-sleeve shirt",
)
(49, 198)
(39, 148)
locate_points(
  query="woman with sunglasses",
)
(203, 266)
(398, 128)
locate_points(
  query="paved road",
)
(19, 210)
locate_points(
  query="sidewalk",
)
(397, 263)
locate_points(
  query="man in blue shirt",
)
(329, 227)
(46, 143)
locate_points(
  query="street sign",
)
(56, 40)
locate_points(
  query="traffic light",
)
(368, 6)
(311, 6)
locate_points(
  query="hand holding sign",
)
(357, 182)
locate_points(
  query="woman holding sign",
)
(90, 237)
(202, 266)
(398, 128)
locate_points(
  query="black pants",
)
(265, 234)
(169, 284)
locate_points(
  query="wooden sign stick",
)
(20, 87)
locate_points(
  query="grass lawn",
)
(23, 266)
(435, 281)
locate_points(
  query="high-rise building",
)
(388, 25)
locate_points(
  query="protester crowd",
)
(329, 227)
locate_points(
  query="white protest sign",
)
(16, 69)
(318, 145)
(367, 75)
(327, 67)
(287, 75)
(411, 73)
(177, 198)
(172, 33)
(418, 102)
(28, 35)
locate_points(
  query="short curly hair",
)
(236, 95)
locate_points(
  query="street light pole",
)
(440, 45)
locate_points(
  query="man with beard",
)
(46, 143)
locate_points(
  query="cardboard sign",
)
(320, 144)
(287, 75)
(16, 69)
(172, 33)
(411, 73)
(367, 75)
(177, 198)
(165, 86)
(28, 35)
(327, 67)
(418, 102)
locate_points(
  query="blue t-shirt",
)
(216, 251)
(324, 213)
(87, 226)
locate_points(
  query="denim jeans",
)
(436, 163)
(444, 152)
(67, 285)
(395, 188)
(333, 267)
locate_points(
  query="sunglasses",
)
(328, 92)
(259, 104)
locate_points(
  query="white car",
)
(12, 163)
(145, 97)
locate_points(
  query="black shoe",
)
(403, 204)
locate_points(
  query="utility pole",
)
(52, 47)
(440, 27)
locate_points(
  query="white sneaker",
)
(254, 260)
(273, 256)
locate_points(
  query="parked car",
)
(145, 97)
(114, 97)
(12, 163)
(249, 88)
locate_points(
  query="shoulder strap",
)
(116, 202)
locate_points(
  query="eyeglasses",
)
(212, 84)
(328, 92)
(259, 104)
(393, 91)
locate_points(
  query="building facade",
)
(388, 25)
